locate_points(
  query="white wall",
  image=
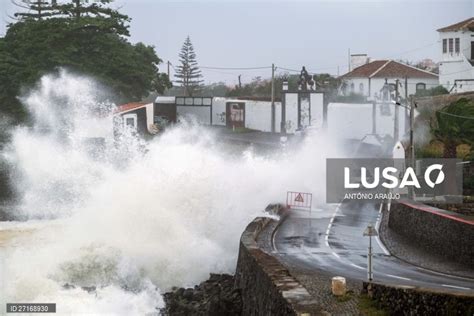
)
(376, 85)
(258, 113)
(354, 121)
(317, 102)
(199, 113)
(455, 66)
(218, 111)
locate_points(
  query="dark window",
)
(450, 45)
(445, 46)
(130, 122)
(420, 86)
(361, 88)
(352, 87)
(456, 45)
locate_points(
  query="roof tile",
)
(467, 24)
(388, 69)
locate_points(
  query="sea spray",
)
(117, 230)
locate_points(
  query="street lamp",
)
(370, 231)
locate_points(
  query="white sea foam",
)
(133, 222)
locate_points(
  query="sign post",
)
(370, 231)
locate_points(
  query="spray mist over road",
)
(135, 219)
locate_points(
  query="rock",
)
(68, 286)
(89, 289)
(213, 297)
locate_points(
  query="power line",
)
(235, 68)
(459, 116)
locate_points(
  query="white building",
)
(368, 78)
(456, 70)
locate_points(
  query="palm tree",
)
(454, 125)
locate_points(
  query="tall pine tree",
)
(188, 73)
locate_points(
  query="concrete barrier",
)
(267, 286)
(434, 230)
(404, 300)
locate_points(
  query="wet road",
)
(333, 240)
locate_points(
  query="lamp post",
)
(370, 231)
(283, 106)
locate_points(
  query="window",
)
(420, 86)
(361, 88)
(352, 87)
(445, 46)
(451, 45)
(130, 121)
(456, 45)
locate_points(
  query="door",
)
(235, 114)
(472, 50)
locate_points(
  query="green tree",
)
(92, 43)
(454, 125)
(188, 73)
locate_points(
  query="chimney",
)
(358, 60)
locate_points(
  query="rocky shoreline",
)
(216, 296)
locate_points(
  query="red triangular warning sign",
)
(299, 198)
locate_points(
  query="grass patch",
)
(346, 297)
(368, 307)
(243, 130)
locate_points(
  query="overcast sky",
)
(314, 33)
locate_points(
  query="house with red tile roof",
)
(456, 68)
(376, 79)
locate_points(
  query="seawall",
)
(436, 231)
(267, 286)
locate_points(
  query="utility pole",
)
(273, 98)
(395, 125)
(374, 117)
(406, 101)
(349, 60)
(412, 142)
(168, 63)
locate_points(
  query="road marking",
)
(336, 255)
(377, 226)
(398, 277)
(358, 267)
(455, 287)
(328, 230)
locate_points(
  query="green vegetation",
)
(187, 73)
(438, 90)
(454, 125)
(346, 297)
(259, 87)
(85, 38)
(369, 307)
(435, 149)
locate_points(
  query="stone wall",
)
(442, 234)
(266, 285)
(6, 192)
(403, 300)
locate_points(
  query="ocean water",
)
(107, 231)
